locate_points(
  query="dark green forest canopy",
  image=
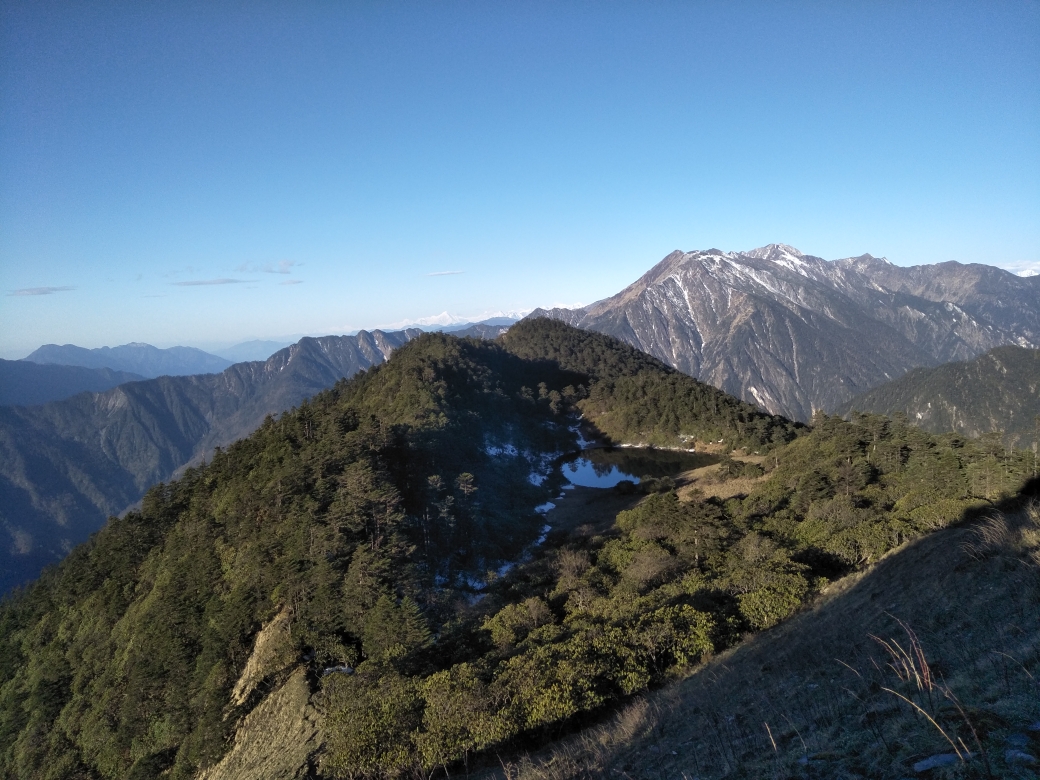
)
(364, 516)
(998, 392)
(634, 397)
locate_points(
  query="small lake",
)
(606, 467)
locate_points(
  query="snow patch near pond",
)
(583, 443)
(479, 585)
(541, 465)
(508, 566)
(495, 450)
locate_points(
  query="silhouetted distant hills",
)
(492, 322)
(143, 359)
(998, 391)
(66, 466)
(24, 383)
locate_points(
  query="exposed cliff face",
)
(66, 466)
(277, 740)
(279, 737)
(795, 333)
(272, 653)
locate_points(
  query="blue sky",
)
(208, 173)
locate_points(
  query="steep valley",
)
(368, 582)
(67, 465)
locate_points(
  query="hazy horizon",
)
(211, 174)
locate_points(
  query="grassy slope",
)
(969, 594)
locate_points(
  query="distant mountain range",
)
(66, 466)
(997, 391)
(394, 581)
(492, 322)
(795, 333)
(257, 349)
(789, 332)
(142, 359)
(481, 330)
(24, 383)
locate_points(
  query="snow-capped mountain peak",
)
(797, 333)
(781, 254)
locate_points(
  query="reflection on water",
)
(604, 468)
(586, 473)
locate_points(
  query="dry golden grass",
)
(819, 697)
(703, 482)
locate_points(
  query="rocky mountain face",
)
(143, 359)
(66, 466)
(996, 392)
(24, 383)
(795, 333)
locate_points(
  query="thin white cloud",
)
(40, 290)
(281, 267)
(207, 282)
(445, 273)
(292, 281)
(445, 319)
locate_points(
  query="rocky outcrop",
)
(794, 333)
(282, 733)
(277, 740)
(272, 652)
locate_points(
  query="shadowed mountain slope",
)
(67, 465)
(795, 333)
(816, 697)
(996, 392)
(24, 383)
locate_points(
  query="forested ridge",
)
(370, 517)
(634, 397)
(998, 392)
(66, 465)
